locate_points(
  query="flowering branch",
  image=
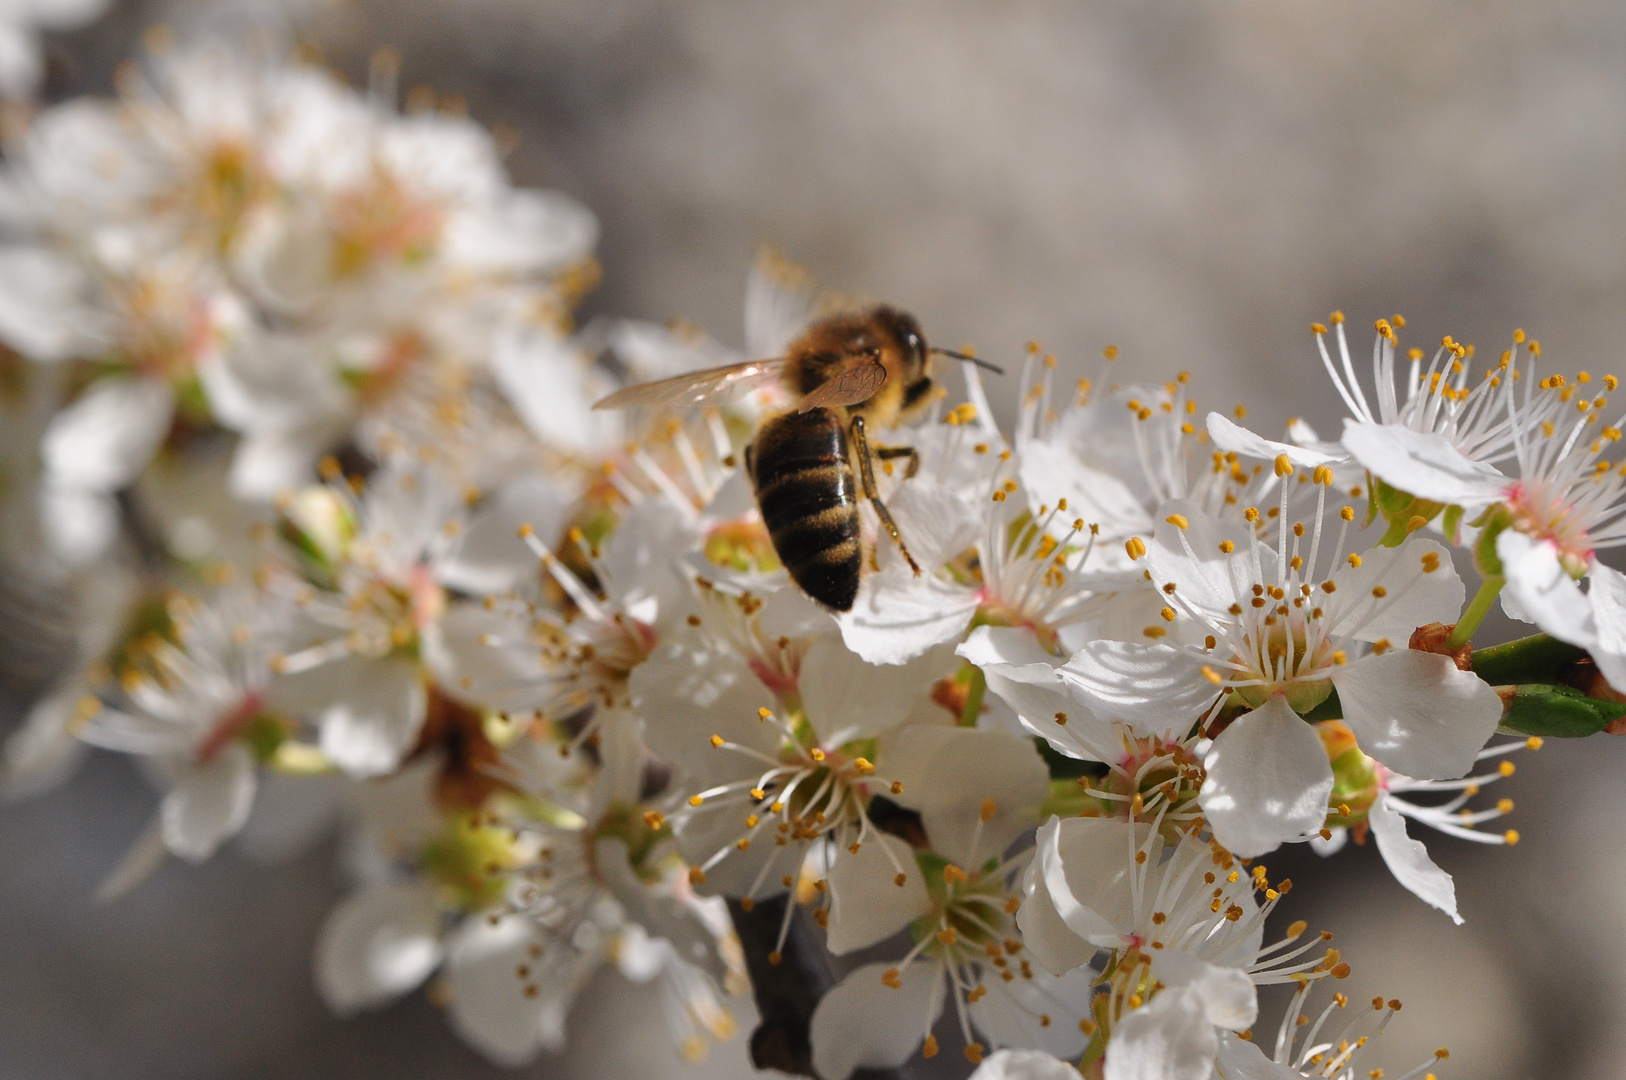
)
(787, 991)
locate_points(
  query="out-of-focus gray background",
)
(1195, 182)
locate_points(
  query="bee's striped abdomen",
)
(808, 498)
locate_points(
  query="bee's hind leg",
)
(866, 472)
(887, 453)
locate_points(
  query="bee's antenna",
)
(995, 368)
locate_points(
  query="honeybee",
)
(810, 462)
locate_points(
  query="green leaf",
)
(1560, 712)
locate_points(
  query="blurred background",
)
(1196, 183)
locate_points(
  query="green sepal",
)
(1451, 524)
(1329, 709)
(1491, 525)
(1398, 509)
(1540, 658)
(1559, 712)
(1067, 798)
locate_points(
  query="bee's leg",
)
(886, 453)
(866, 472)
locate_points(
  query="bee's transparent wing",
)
(780, 302)
(696, 387)
(853, 383)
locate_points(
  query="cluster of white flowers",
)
(308, 435)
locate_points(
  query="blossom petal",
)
(1051, 941)
(1012, 1016)
(847, 698)
(688, 695)
(1085, 864)
(954, 776)
(897, 616)
(867, 906)
(1413, 597)
(372, 714)
(521, 232)
(1233, 437)
(1240, 1059)
(1028, 679)
(43, 312)
(1607, 596)
(380, 942)
(1408, 859)
(1053, 473)
(862, 1022)
(486, 657)
(1228, 995)
(490, 557)
(1424, 464)
(935, 522)
(545, 378)
(78, 524)
(1417, 712)
(1543, 591)
(1155, 689)
(42, 751)
(1210, 561)
(1169, 1038)
(209, 803)
(1024, 1065)
(102, 441)
(1268, 780)
(490, 1009)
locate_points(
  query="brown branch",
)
(787, 992)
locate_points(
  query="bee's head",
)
(908, 344)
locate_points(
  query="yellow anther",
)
(1336, 317)
(1135, 546)
(1251, 515)
(1168, 614)
(1384, 329)
(697, 876)
(1430, 560)
(947, 935)
(1533, 742)
(1317, 328)
(1284, 467)
(929, 1047)
(763, 714)
(717, 740)
(953, 875)
(862, 766)
(1354, 559)
(1226, 547)
(816, 754)
(1178, 521)
(988, 809)
(696, 800)
(892, 977)
(1297, 928)
(1505, 768)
